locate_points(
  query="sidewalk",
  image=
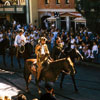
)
(95, 63)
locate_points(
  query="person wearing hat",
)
(42, 53)
(49, 95)
(19, 39)
(57, 48)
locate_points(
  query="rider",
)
(42, 53)
(19, 40)
(57, 48)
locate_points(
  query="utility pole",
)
(27, 12)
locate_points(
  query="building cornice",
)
(56, 10)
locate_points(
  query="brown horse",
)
(73, 54)
(4, 45)
(49, 72)
(26, 54)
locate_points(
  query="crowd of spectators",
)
(86, 42)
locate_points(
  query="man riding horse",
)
(20, 40)
(43, 55)
(47, 70)
(57, 49)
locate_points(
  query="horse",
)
(23, 52)
(73, 54)
(50, 72)
(4, 45)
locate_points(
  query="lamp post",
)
(58, 21)
(27, 12)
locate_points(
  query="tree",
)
(90, 9)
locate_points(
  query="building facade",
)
(13, 9)
(61, 13)
(63, 10)
(47, 8)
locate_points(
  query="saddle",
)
(34, 61)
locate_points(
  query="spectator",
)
(88, 52)
(95, 49)
(49, 95)
(72, 42)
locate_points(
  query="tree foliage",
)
(90, 9)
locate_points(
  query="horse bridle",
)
(62, 52)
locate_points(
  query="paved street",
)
(87, 80)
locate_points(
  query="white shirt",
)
(32, 35)
(19, 39)
(88, 53)
(18, 26)
(14, 22)
(27, 39)
(95, 48)
(72, 43)
(1, 37)
(42, 50)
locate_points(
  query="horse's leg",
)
(18, 59)
(4, 62)
(12, 61)
(27, 77)
(62, 78)
(39, 91)
(73, 79)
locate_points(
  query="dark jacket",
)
(47, 96)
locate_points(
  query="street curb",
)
(2, 67)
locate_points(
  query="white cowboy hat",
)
(42, 38)
(21, 30)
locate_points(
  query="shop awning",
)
(12, 9)
(52, 18)
(80, 19)
(71, 14)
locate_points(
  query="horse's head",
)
(28, 50)
(77, 54)
(73, 54)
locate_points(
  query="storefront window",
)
(67, 1)
(57, 1)
(46, 1)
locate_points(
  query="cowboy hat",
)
(21, 30)
(42, 38)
